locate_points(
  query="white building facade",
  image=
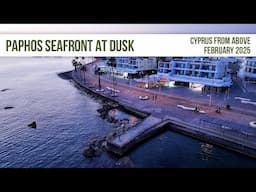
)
(135, 65)
(210, 72)
(249, 71)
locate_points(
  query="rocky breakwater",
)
(99, 144)
(106, 108)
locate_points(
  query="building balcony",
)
(225, 82)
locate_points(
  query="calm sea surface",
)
(67, 120)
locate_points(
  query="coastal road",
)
(166, 103)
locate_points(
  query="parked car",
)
(145, 97)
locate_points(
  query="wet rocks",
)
(32, 125)
(91, 151)
(8, 107)
(94, 149)
(105, 109)
(110, 137)
(111, 119)
(99, 144)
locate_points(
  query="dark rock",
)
(120, 132)
(8, 107)
(101, 141)
(104, 145)
(100, 110)
(97, 151)
(32, 125)
(3, 90)
(94, 143)
(109, 137)
(88, 152)
(111, 119)
(126, 120)
(91, 151)
(97, 142)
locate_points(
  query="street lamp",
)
(99, 78)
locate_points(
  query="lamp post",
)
(98, 71)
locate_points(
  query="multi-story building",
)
(205, 71)
(132, 66)
(249, 70)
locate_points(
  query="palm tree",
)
(83, 68)
(112, 63)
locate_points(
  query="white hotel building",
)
(249, 70)
(205, 71)
(135, 65)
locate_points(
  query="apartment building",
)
(136, 65)
(205, 71)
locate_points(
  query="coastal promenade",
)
(230, 128)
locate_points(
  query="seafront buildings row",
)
(207, 71)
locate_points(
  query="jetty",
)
(149, 127)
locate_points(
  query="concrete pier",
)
(122, 143)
